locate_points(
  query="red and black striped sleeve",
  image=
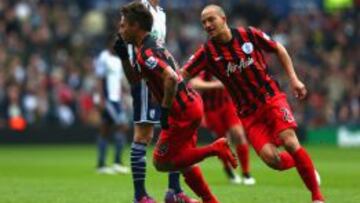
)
(148, 59)
(196, 63)
(262, 39)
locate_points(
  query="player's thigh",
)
(143, 132)
(146, 109)
(258, 134)
(169, 146)
(232, 123)
(237, 133)
(106, 125)
(282, 124)
(105, 130)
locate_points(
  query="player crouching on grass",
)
(181, 106)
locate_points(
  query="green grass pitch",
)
(66, 174)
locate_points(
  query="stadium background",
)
(47, 49)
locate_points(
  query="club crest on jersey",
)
(151, 62)
(247, 47)
(232, 67)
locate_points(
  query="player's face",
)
(154, 2)
(126, 30)
(213, 22)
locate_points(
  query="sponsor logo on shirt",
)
(232, 67)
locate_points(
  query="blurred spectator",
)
(47, 48)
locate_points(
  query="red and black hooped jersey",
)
(240, 65)
(153, 58)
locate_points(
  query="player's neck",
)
(224, 37)
(140, 38)
(154, 3)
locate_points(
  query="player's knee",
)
(272, 160)
(290, 141)
(270, 156)
(143, 133)
(141, 139)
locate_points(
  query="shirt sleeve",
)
(196, 63)
(100, 67)
(261, 39)
(149, 60)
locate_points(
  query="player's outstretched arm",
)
(121, 51)
(201, 85)
(297, 86)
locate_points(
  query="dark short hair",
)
(136, 12)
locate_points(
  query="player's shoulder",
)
(103, 54)
(243, 29)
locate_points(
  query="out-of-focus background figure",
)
(49, 120)
(108, 98)
(47, 48)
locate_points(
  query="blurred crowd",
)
(47, 52)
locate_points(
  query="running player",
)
(110, 75)
(220, 117)
(235, 56)
(181, 106)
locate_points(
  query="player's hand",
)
(99, 101)
(164, 118)
(298, 89)
(120, 48)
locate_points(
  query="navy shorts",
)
(146, 109)
(113, 113)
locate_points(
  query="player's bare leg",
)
(275, 159)
(303, 163)
(296, 156)
(242, 150)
